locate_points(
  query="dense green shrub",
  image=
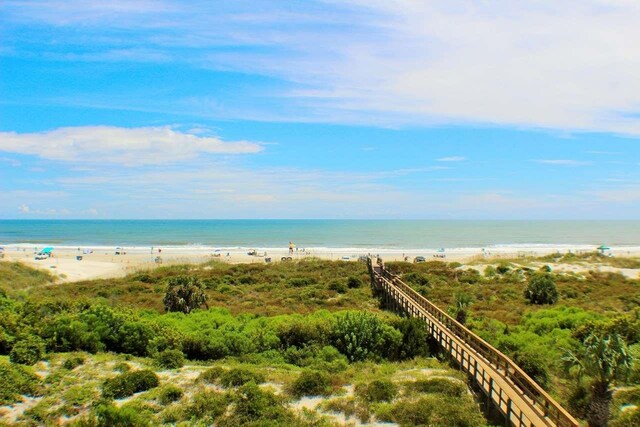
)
(437, 385)
(358, 335)
(202, 347)
(541, 289)
(300, 282)
(170, 359)
(16, 380)
(416, 279)
(184, 294)
(503, 268)
(169, 394)
(436, 411)
(415, 338)
(211, 375)
(311, 383)
(534, 365)
(338, 287)
(377, 391)
(134, 338)
(239, 376)
(206, 406)
(108, 415)
(256, 407)
(28, 350)
(73, 362)
(300, 332)
(129, 383)
(354, 282)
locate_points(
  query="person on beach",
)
(291, 248)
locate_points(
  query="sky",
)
(454, 109)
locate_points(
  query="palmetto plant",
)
(459, 308)
(605, 359)
(184, 294)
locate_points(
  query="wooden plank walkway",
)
(520, 399)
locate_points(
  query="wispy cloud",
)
(127, 146)
(563, 162)
(569, 65)
(452, 159)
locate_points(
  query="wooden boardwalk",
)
(520, 399)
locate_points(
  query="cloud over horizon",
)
(126, 146)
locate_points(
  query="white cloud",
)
(25, 209)
(128, 146)
(563, 162)
(452, 159)
(568, 65)
(12, 162)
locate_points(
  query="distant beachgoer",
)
(159, 250)
(291, 247)
(151, 250)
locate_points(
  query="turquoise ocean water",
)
(391, 234)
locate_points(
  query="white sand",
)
(103, 263)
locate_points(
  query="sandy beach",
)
(103, 262)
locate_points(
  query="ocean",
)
(385, 234)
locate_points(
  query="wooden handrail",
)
(547, 407)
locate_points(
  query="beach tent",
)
(602, 248)
(47, 250)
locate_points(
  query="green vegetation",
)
(541, 289)
(129, 383)
(28, 350)
(277, 332)
(184, 294)
(239, 376)
(311, 383)
(281, 288)
(170, 359)
(604, 358)
(16, 380)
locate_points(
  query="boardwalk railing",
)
(519, 398)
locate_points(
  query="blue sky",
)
(319, 109)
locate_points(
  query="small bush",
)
(358, 335)
(534, 365)
(311, 383)
(503, 268)
(122, 367)
(207, 405)
(28, 351)
(354, 282)
(300, 282)
(184, 294)
(211, 375)
(169, 394)
(129, 383)
(439, 386)
(541, 289)
(126, 416)
(239, 376)
(73, 362)
(256, 407)
(170, 359)
(338, 286)
(377, 391)
(436, 411)
(15, 381)
(416, 279)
